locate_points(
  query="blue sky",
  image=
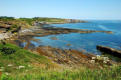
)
(77, 9)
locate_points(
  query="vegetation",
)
(53, 20)
(6, 50)
(5, 18)
(31, 20)
(14, 60)
(80, 74)
(25, 65)
(11, 23)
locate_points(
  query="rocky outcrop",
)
(54, 30)
(109, 50)
(45, 31)
(5, 25)
(6, 35)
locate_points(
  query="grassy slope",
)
(38, 67)
(20, 58)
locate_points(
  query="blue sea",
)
(85, 41)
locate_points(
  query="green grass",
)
(26, 58)
(21, 57)
(26, 22)
(80, 74)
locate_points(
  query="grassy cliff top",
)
(28, 22)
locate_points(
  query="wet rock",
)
(109, 50)
(54, 30)
(68, 44)
(76, 21)
(53, 38)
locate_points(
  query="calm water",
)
(86, 41)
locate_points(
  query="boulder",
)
(109, 50)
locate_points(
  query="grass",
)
(12, 24)
(37, 67)
(19, 57)
(27, 22)
(80, 74)
(9, 63)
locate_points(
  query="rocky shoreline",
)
(44, 31)
(73, 58)
(49, 30)
(68, 57)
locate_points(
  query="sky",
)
(76, 9)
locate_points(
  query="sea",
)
(85, 41)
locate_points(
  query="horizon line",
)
(60, 18)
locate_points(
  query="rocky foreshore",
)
(44, 31)
(73, 57)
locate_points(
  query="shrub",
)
(6, 50)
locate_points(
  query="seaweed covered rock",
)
(109, 50)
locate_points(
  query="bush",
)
(6, 50)
(6, 18)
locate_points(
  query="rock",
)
(9, 65)
(92, 61)
(75, 21)
(20, 67)
(100, 59)
(68, 44)
(53, 38)
(109, 50)
(7, 73)
(63, 56)
(55, 30)
(93, 58)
